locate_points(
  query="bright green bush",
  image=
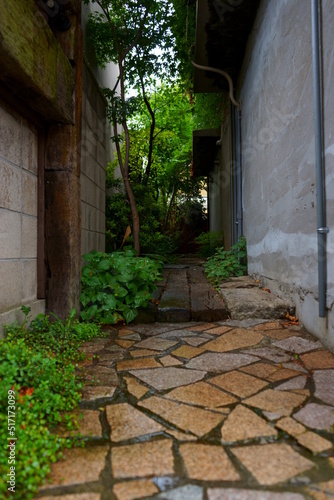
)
(37, 366)
(225, 264)
(115, 285)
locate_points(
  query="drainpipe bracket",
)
(323, 230)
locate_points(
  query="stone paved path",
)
(203, 411)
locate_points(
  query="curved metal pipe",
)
(226, 75)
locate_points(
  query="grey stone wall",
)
(279, 196)
(18, 216)
(94, 158)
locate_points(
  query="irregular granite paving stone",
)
(176, 334)
(238, 383)
(289, 425)
(243, 424)
(236, 494)
(318, 360)
(269, 325)
(205, 462)
(295, 383)
(195, 341)
(137, 364)
(279, 334)
(272, 373)
(298, 345)
(201, 327)
(125, 343)
(130, 490)
(141, 353)
(316, 416)
(180, 436)
(188, 492)
(170, 361)
(92, 393)
(237, 338)
(157, 344)
(322, 491)
(314, 442)
(218, 330)
(168, 378)
(89, 425)
(153, 458)
(80, 465)
(324, 385)
(282, 374)
(135, 388)
(271, 353)
(280, 402)
(184, 417)
(272, 463)
(102, 376)
(220, 362)
(201, 394)
(127, 422)
(295, 366)
(188, 351)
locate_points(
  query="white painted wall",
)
(279, 196)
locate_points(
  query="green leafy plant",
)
(37, 379)
(225, 264)
(115, 285)
(209, 242)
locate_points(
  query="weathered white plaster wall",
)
(18, 217)
(279, 196)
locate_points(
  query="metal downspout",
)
(322, 230)
(239, 181)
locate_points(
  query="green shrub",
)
(115, 285)
(224, 264)
(209, 242)
(37, 367)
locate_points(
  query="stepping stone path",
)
(208, 410)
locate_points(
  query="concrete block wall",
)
(94, 159)
(279, 192)
(18, 216)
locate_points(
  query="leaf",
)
(130, 314)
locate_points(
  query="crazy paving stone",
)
(318, 360)
(176, 334)
(279, 334)
(238, 383)
(109, 358)
(218, 330)
(168, 378)
(154, 458)
(294, 365)
(133, 336)
(127, 423)
(260, 370)
(135, 388)
(124, 332)
(324, 385)
(276, 401)
(195, 341)
(156, 344)
(201, 327)
(207, 463)
(322, 491)
(201, 394)
(184, 417)
(242, 424)
(314, 442)
(137, 364)
(272, 463)
(141, 353)
(170, 361)
(237, 338)
(94, 346)
(180, 436)
(316, 416)
(220, 362)
(91, 393)
(289, 425)
(269, 325)
(295, 383)
(131, 490)
(125, 343)
(190, 491)
(76, 496)
(282, 374)
(235, 494)
(271, 353)
(101, 376)
(298, 345)
(81, 465)
(188, 352)
(88, 425)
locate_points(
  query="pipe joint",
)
(323, 230)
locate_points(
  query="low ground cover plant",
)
(115, 285)
(227, 263)
(209, 242)
(37, 386)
